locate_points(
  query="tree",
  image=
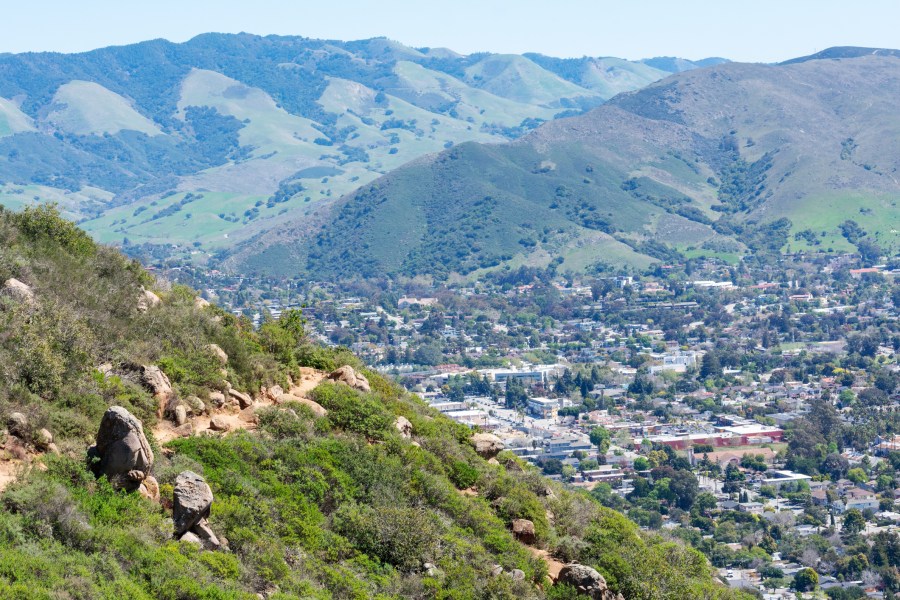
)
(806, 580)
(857, 475)
(600, 437)
(854, 522)
(710, 367)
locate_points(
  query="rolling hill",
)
(213, 141)
(729, 161)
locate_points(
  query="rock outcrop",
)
(403, 425)
(351, 377)
(192, 501)
(243, 400)
(157, 382)
(523, 529)
(487, 445)
(218, 353)
(121, 451)
(18, 291)
(587, 581)
(17, 425)
(200, 303)
(147, 300)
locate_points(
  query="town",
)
(749, 410)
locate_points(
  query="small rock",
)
(217, 399)
(195, 405)
(192, 501)
(186, 430)
(17, 425)
(317, 409)
(523, 529)
(52, 448)
(496, 571)
(243, 400)
(218, 353)
(518, 575)
(403, 425)
(487, 445)
(191, 538)
(218, 423)
(180, 415)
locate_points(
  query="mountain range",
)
(212, 141)
(733, 160)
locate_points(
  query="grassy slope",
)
(84, 108)
(335, 507)
(648, 165)
(13, 120)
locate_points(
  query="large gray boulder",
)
(192, 501)
(487, 445)
(351, 377)
(523, 529)
(121, 452)
(587, 581)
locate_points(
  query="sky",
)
(744, 30)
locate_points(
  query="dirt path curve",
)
(553, 565)
(236, 419)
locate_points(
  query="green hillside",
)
(329, 494)
(728, 161)
(265, 129)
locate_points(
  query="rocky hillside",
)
(218, 138)
(157, 447)
(728, 161)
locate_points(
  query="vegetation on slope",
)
(340, 506)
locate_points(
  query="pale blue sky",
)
(757, 30)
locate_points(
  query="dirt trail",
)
(164, 431)
(553, 565)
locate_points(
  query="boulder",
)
(195, 405)
(587, 581)
(248, 415)
(316, 408)
(43, 439)
(218, 353)
(191, 538)
(17, 425)
(512, 465)
(180, 415)
(496, 571)
(200, 303)
(487, 445)
(192, 501)
(18, 291)
(121, 451)
(157, 382)
(403, 425)
(218, 423)
(523, 529)
(348, 375)
(147, 300)
(273, 393)
(217, 399)
(206, 535)
(518, 575)
(186, 430)
(243, 400)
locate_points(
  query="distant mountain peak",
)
(837, 52)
